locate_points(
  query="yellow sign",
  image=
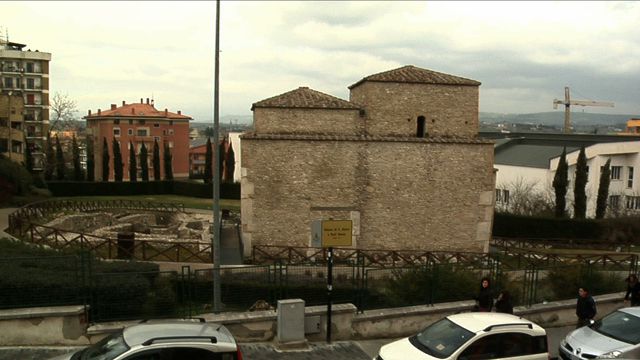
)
(336, 232)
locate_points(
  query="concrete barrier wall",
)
(67, 325)
(61, 325)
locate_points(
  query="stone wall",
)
(400, 193)
(66, 326)
(392, 109)
(310, 121)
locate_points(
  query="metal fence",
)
(123, 291)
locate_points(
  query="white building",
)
(527, 163)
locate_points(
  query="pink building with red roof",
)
(140, 123)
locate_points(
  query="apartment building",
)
(26, 72)
(11, 125)
(137, 124)
(526, 164)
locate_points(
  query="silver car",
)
(167, 340)
(616, 336)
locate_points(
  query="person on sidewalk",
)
(503, 304)
(585, 307)
(633, 290)
(484, 300)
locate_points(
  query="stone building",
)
(401, 158)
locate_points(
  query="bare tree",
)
(63, 110)
(525, 198)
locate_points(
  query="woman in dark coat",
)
(485, 296)
(503, 304)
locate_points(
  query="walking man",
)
(585, 307)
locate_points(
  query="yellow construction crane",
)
(567, 105)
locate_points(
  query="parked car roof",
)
(478, 321)
(164, 331)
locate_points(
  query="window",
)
(630, 179)
(615, 172)
(30, 67)
(130, 132)
(170, 131)
(505, 346)
(130, 122)
(116, 131)
(8, 82)
(420, 132)
(614, 201)
(141, 122)
(156, 125)
(116, 121)
(170, 122)
(31, 83)
(633, 202)
(142, 132)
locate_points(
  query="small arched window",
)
(421, 130)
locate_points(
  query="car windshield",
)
(620, 326)
(106, 349)
(441, 339)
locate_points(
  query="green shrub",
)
(14, 179)
(564, 281)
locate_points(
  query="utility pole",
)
(567, 107)
(216, 178)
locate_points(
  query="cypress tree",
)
(118, 166)
(579, 194)
(133, 166)
(560, 184)
(28, 156)
(231, 163)
(144, 163)
(60, 168)
(156, 161)
(105, 160)
(77, 169)
(90, 161)
(168, 170)
(207, 163)
(50, 159)
(603, 190)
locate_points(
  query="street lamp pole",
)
(216, 172)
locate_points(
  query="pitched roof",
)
(137, 110)
(413, 74)
(306, 98)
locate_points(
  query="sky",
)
(523, 53)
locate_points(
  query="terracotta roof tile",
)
(332, 137)
(137, 110)
(413, 74)
(306, 98)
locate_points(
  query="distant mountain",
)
(556, 118)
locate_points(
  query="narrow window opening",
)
(421, 127)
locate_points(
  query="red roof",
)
(303, 97)
(137, 110)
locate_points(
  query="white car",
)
(166, 340)
(615, 336)
(472, 336)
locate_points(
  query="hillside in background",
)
(556, 118)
